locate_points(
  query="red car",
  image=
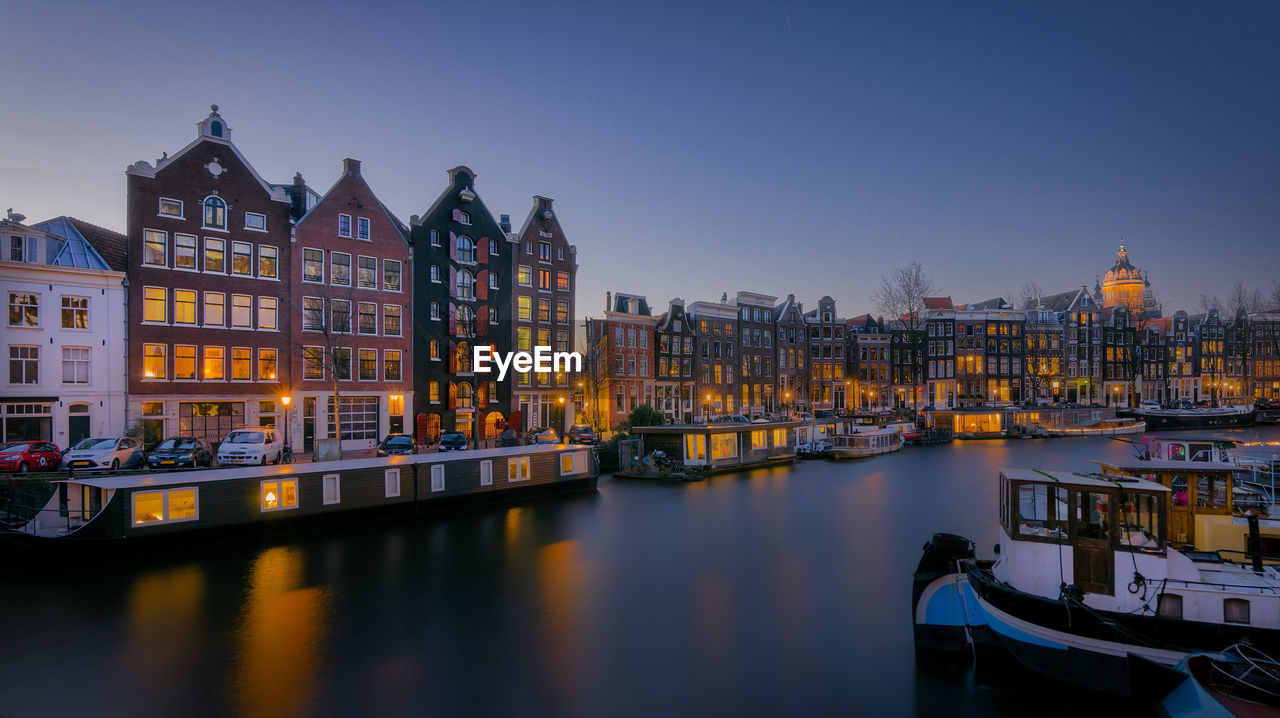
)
(23, 456)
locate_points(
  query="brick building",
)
(792, 374)
(869, 342)
(716, 359)
(827, 387)
(940, 347)
(621, 346)
(674, 383)
(756, 375)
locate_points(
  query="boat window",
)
(1211, 492)
(518, 469)
(1042, 511)
(573, 462)
(760, 439)
(154, 507)
(486, 473)
(724, 446)
(779, 437)
(1140, 521)
(437, 477)
(391, 481)
(695, 447)
(1200, 452)
(332, 488)
(280, 494)
(1177, 452)
(1179, 486)
(1093, 511)
(1235, 610)
(1169, 605)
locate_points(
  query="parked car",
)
(803, 416)
(453, 441)
(258, 445)
(583, 434)
(397, 444)
(824, 414)
(544, 436)
(104, 452)
(1149, 405)
(180, 451)
(508, 437)
(19, 457)
(731, 419)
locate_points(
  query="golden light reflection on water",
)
(280, 638)
(560, 584)
(164, 619)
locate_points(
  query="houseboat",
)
(1222, 417)
(163, 507)
(1084, 579)
(1100, 427)
(868, 443)
(712, 448)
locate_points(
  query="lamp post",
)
(288, 439)
(1115, 391)
(706, 408)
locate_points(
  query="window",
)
(242, 258)
(562, 311)
(368, 364)
(1169, 605)
(544, 279)
(695, 447)
(391, 320)
(215, 257)
(75, 312)
(184, 251)
(255, 221)
(342, 363)
(368, 317)
(544, 251)
(433, 392)
(437, 478)
(1235, 610)
(75, 365)
(562, 281)
(24, 365)
(524, 276)
(344, 225)
(313, 362)
(184, 306)
(493, 279)
(486, 472)
(267, 308)
(1211, 492)
(215, 306)
(266, 365)
(341, 315)
(435, 238)
(362, 228)
(278, 495)
(332, 488)
(367, 272)
(215, 213)
(518, 469)
(493, 248)
(573, 462)
(154, 507)
(463, 217)
(391, 364)
(184, 362)
(466, 249)
(466, 285)
(544, 310)
(759, 439)
(153, 361)
(23, 249)
(267, 261)
(312, 314)
(435, 311)
(391, 275)
(241, 359)
(170, 208)
(215, 366)
(391, 483)
(313, 265)
(155, 305)
(524, 308)
(155, 248)
(340, 269)
(242, 311)
(433, 350)
(724, 446)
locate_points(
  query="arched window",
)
(215, 213)
(466, 249)
(464, 217)
(465, 395)
(464, 357)
(215, 128)
(465, 318)
(466, 287)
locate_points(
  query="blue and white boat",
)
(1084, 580)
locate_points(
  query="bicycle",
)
(286, 454)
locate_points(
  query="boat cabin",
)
(869, 443)
(1163, 448)
(722, 446)
(1074, 528)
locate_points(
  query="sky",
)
(700, 148)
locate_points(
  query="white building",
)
(65, 335)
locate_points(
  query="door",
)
(308, 424)
(1095, 558)
(77, 428)
(1181, 525)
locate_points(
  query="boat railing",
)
(41, 521)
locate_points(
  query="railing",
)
(34, 521)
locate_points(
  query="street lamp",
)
(706, 410)
(288, 440)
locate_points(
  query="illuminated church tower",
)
(1123, 284)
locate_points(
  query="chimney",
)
(351, 167)
(505, 223)
(608, 301)
(298, 198)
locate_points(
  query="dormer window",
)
(215, 213)
(170, 208)
(464, 217)
(22, 249)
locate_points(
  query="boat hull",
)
(1173, 421)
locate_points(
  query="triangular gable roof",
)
(400, 226)
(938, 303)
(450, 188)
(86, 245)
(1060, 302)
(273, 191)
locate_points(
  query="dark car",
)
(583, 434)
(543, 436)
(508, 437)
(824, 414)
(453, 441)
(397, 444)
(23, 456)
(180, 452)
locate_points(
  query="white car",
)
(104, 452)
(255, 446)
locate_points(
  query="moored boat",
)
(1101, 427)
(868, 443)
(1084, 579)
(1194, 418)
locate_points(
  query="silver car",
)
(255, 446)
(110, 453)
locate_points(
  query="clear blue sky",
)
(698, 148)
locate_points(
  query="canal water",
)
(782, 591)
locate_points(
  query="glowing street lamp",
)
(285, 400)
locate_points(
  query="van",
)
(251, 445)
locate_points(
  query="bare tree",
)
(328, 323)
(1208, 302)
(1028, 297)
(1273, 297)
(901, 296)
(1244, 300)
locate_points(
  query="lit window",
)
(368, 359)
(267, 261)
(155, 248)
(155, 304)
(75, 312)
(277, 495)
(215, 307)
(215, 256)
(267, 308)
(184, 362)
(518, 469)
(573, 462)
(153, 361)
(241, 360)
(184, 306)
(242, 258)
(215, 365)
(524, 276)
(391, 364)
(154, 507)
(562, 281)
(266, 365)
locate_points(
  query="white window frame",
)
(334, 482)
(521, 465)
(399, 273)
(437, 478)
(297, 488)
(391, 483)
(350, 278)
(364, 229)
(204, 255)
(164, 503)
(304, 266)
(348, 234)
(577, 462)
(486, 472)
(160, 208)
(248, 226)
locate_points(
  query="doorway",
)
(1095, 559)
(77, 423)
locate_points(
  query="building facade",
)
(827, 387)
(209, 290)
(757, 375)
(940, 328)
(674, 346)
(715, 324)
(791, 387)
(621, 343)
